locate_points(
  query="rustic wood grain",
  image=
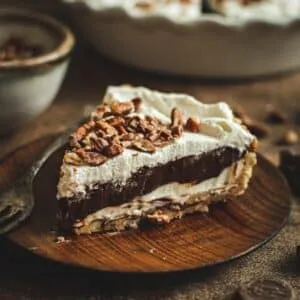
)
(26, 276)
(230, 230)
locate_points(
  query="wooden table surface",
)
(24, 276)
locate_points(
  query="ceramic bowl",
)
(207, 45)
(29, 85)
(49, 6)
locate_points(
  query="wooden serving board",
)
(230, 230)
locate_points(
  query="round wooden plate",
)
(230, 230)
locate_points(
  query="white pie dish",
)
(210, 46)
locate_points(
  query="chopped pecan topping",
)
(127, 137)
(176, 117)
(177, 122)
(106, 127)
(137, 102)
(114, 149)
(117, 121)
(99, 144)
(143, 145)
(94, 158)
(121, 130)
(153, 136)
(112, 129)
(177, 131)
(80, 134)
(193, 125)
(72, 159)
(122, 108)
(133, 124)
(101, 111)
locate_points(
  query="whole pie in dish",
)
(249, 9)
(151, 156)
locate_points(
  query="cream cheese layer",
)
(176, 193)
(218, 129)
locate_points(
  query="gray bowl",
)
(28, 86)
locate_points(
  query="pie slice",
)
(151, 156)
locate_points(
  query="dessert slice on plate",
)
(151, 156)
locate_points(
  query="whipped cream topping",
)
(218, 129)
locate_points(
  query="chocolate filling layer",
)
(188, 169)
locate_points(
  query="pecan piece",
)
(151, 120)
(176, 117)
(160, 143)
(145, 127)
(153, 136)
(143, 145)
(107, 128)
(166, 134)
(177, 122)
(177, 131)
(72, 158)
(101, 111)
(74, 141)
(137, 102)
(80, 134)
(114, 149)
(193, 125)
(121, 130)
(94, 158)
(99, 144)
(127, 137)
(122, 108)
(126, 144)
(133, 124)
(116, 121)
